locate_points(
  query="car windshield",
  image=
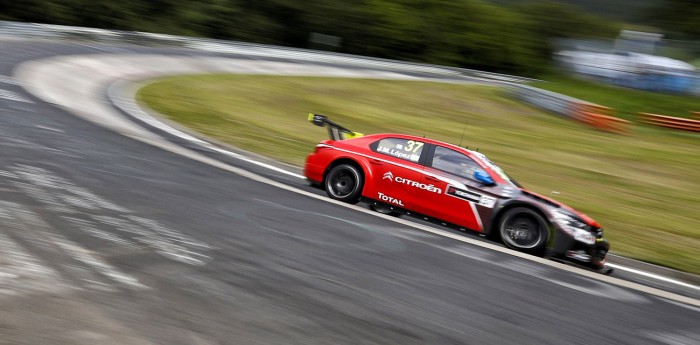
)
(496, 168)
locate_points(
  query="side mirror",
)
(483, 177)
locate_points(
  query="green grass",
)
(627, 103)
(644, 188)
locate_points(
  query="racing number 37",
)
(413, 146)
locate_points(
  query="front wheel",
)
(524, 230)
(344, 182)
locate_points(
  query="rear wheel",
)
(344, 182)
(524, 230)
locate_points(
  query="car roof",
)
(480, 158)
(413, 137)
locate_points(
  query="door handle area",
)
(432, 179)
(375, 161)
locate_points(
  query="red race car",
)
(398, 173)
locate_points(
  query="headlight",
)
(574, 227)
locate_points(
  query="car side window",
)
(455, 163)
(406, 149)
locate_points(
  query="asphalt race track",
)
(108, 240)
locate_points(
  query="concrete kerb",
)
(122, 95)
(656, 269)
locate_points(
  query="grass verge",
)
(644, 188)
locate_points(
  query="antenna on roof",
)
(464, 129)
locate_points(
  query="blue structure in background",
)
(634, 65)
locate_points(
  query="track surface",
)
(106, 240)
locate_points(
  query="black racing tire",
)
(524, 230)
(344, 182)
(314, 184)
(384, 209)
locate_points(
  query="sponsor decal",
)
(464, 194)
(423, 186)
(487, 201)
(483, 200)
(507, 192)
(584, 236)
(391, 200)
(398, 179)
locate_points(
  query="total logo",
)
(384, 197)
(398, 179)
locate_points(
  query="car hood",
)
(585, 218)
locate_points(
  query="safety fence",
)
(601, 118)
(593, 115)
(672, 122)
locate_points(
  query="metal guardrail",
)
(35, 30)
(49, 31)
(547, 100)
(593, 115)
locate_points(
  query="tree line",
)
(465, 33)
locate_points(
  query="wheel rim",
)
(342, 183)
(522, 232)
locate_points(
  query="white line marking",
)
(139, 113)
(49, 128)
(13, 96)
(26, 272)
(654, 276)
(38, 231)
(8, 80)
(83, 255)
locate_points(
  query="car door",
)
(460, 197)
(395, 165)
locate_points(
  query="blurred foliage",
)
(621, 10)
(679, 18)
(509, 36)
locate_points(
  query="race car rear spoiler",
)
(335, 131)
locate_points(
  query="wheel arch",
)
(492, 230)
(347, 160)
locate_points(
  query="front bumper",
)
(591, 255)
